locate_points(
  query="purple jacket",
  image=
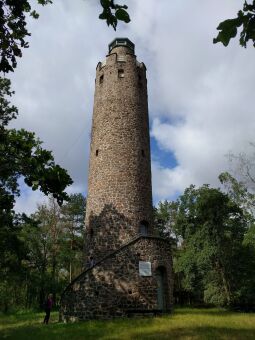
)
(49, 303)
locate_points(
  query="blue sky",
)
(165, 158)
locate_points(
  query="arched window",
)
(143, 228)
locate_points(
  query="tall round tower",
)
(119, 203)
(132, 268)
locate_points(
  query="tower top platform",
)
(123, 42)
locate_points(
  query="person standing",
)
(48, 307)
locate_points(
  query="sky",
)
(201, 95)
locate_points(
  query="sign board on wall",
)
(144, 268)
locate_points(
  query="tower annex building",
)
(131, 267)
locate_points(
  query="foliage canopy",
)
(214, 255)
(245, 20)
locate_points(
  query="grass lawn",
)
(184, 323)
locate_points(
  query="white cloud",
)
(29, 200)
(200, 94)
(168, 183)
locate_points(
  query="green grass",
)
(184, 323)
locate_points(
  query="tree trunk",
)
(70, 264)
(70, 271)
(54, 264)
(225, 283)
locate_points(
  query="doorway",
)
(161, 287)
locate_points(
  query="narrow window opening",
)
(121, 73)
(101, 79)
(96, 153)
(143, 154)
(143, 228)
(140, 84)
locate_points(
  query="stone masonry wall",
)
(113, 287)
(119, 189)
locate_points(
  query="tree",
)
(53, 237)
(238, 191)
(245, 20)
(212, 255)
(240, 183)
(13, 30)
(13, 252)
(73, 216)
(50, 251)
(35, 236)
(113, 13)
(21, 153)
(243, 167)
(21, 156)
(43, 236)
(164, 218)
(14, 33)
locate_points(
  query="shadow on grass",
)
(205, 311)
(183, 324)
(114, 329)
(19, 318)
(205, 333)
(80, 331)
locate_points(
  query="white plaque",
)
(144, 268)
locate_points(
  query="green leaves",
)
(7, 111)
(21, 155)
(34, 14)
(211, 226)
(105, 3)
(13, 30)
(122, 15)
(113, 13)
(229, 28)
(13, 26)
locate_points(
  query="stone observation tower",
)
(129, 269)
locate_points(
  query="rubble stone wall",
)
(113, 287)
(120, 166)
